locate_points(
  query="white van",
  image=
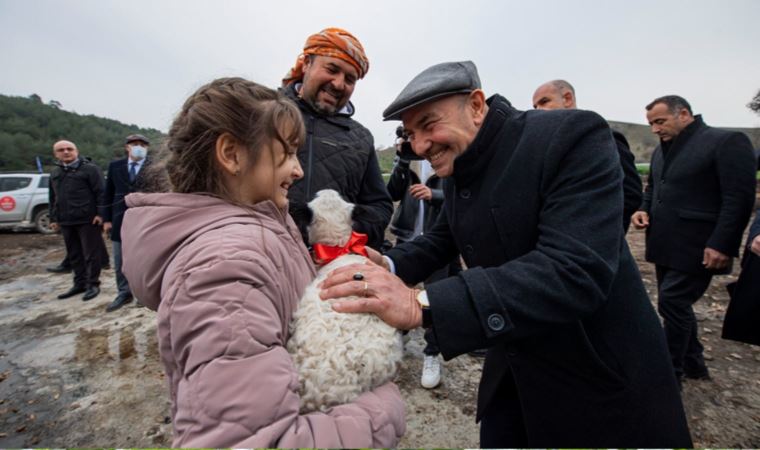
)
(24, 201)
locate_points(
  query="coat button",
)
(469, 249)
(496, 322)
(465, 193)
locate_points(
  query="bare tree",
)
(754, 105)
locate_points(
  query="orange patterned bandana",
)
(333, 42)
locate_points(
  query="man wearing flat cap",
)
(123, 178)
(576, 354)
(338, 153)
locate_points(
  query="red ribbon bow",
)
(323, 254)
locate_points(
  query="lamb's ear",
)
(308, 214)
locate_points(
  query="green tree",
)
(28, 128)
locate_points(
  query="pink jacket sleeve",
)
(234, 383)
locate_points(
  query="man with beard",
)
(338, 152)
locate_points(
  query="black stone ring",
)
(358, 276)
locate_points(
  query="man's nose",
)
(338, 81)
(420, 147)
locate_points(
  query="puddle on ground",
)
(24, 285)
(22, 293)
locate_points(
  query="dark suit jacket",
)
(700, 193)
(117, 187)
(535, 207)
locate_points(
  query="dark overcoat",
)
(743, 313)
(535, 208)
(700, 193)
(76, 193)
(118, 187)
(632, 190)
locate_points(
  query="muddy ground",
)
(72, 375)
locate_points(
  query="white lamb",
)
(338, 355)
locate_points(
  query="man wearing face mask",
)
(123, 178)
(338, 152)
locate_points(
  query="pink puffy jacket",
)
(225, 281)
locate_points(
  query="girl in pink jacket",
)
(224, 265)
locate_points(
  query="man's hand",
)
(97, 220)
(379, 291)
(421, 192)
(640, 220)
(714, 259)
(755, 246)
(107, 226)
(54, 226)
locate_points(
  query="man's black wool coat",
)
(535, 208)
(700, 193)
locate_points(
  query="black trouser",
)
(502, 425)
(677, 292)
(84, 246)
(66, 263)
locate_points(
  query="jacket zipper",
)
(310, 132)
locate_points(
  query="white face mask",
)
(138, 152)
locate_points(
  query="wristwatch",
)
(427, 315)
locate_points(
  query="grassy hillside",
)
(28, 129)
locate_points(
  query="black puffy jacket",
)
(338, 153)
(76, 193)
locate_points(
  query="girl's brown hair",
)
(253, 114)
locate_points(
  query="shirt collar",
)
(138, 164)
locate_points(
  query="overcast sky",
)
(136, 61)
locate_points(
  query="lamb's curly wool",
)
(338, 356)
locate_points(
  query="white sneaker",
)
(431, 372)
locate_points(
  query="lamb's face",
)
(331, 221)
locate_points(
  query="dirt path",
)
(72, 375)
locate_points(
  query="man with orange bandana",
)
(338, 153)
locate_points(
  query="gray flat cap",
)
(136, 138)
(436, 81)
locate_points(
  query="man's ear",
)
(308, 60)
(227, 155)
(568, 100)
(476, 102)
